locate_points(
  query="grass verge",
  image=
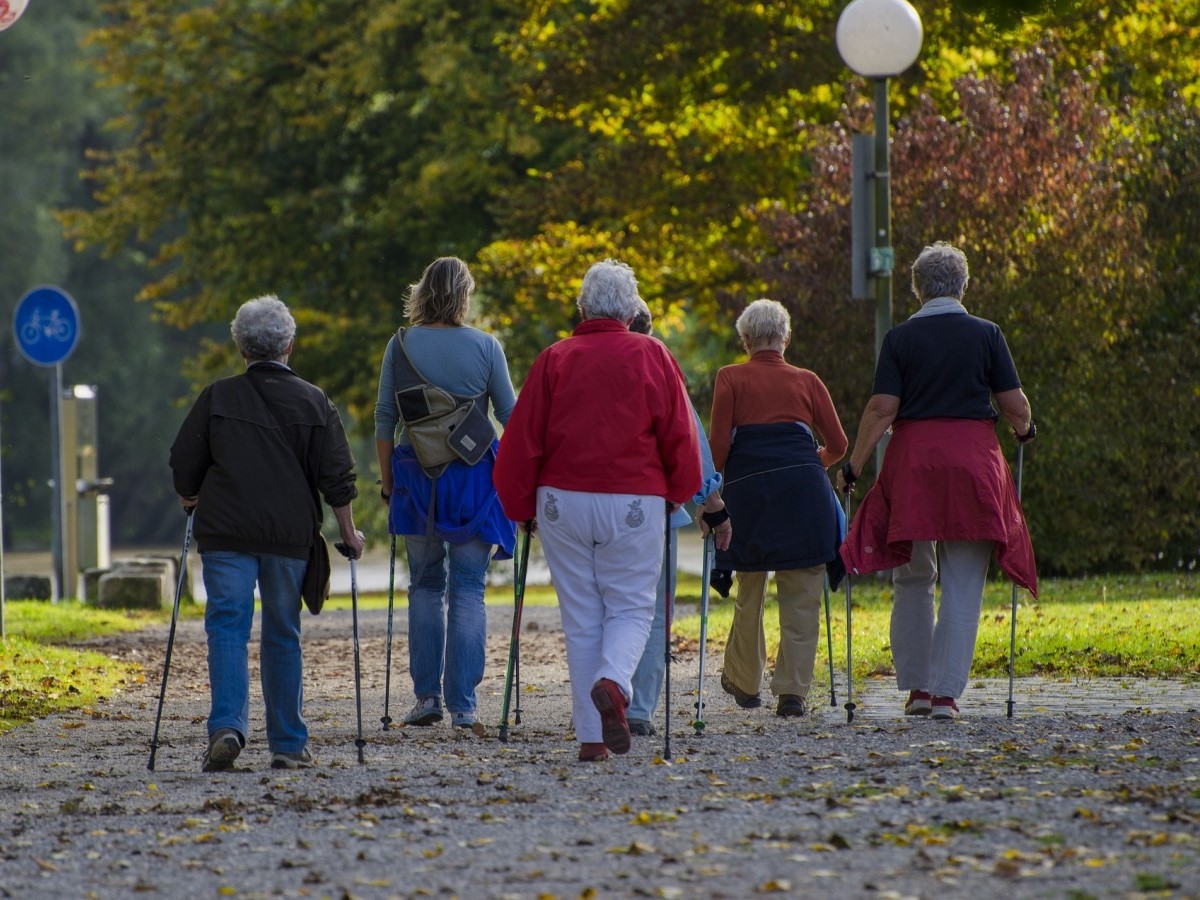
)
(1139, 626)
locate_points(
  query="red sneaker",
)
(589, 752)
(944, 708)
(611, 704)
(919, 703)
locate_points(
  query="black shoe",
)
(791, 705)
(744, 700)
(223, 748)
(642, 728)
(721, 581)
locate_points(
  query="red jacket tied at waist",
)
(942, 479)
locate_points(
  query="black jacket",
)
(242, 458)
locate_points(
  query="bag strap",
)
(406, 375)
(312, 484)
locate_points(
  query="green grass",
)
(38, 675)
(1144, 626)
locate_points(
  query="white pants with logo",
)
(605, 553)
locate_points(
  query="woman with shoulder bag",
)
(448, 551)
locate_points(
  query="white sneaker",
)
(943, 708)
(428, 711)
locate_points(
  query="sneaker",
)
(919, 703)
(610, 703)
(461, 719)
(943, 708)
(428, 711)
(744, 700)
(641, 728)
(589, 752)
(791, 705)
(283, 760)
(223, 748)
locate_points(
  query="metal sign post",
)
(46, 329)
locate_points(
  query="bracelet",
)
(713, 519)
(1027, 436)
(387, 498)
(848, 475)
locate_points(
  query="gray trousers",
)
(936, 656)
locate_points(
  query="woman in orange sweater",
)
(773, 433)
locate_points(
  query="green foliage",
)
(1060, 250)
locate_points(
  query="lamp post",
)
(879, 39)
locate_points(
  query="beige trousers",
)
(799, 631)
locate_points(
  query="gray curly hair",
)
(609, 291)
(940, 270)
(263, 328)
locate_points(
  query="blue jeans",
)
(651, 671)
(447, 622)
(229, 580)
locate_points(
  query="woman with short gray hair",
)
(944, 497)
(601, 434)
(773, 432)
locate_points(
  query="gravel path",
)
(1091, 789)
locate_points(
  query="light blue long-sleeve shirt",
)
(461, 360)
(710, 478)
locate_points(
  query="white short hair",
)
(764, 323)
(609, 291)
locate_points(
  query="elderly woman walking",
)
(773, 432)
(448, 551)
(944, 496)
(601, 434)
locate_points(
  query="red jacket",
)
(604, 411)
(942, 479)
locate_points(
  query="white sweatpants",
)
(937, 657)
(605, 553)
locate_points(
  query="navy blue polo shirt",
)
(945, 366)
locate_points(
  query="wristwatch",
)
(1027, 436)
(848, 475)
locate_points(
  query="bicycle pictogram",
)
(52, 327)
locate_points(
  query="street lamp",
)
(879, 39)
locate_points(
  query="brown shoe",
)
(610, 702)
(791, 705)
(744, 700)
(590, 752)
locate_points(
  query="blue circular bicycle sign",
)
(46, 325)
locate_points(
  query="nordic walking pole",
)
(519, 570)
(359, 742)
(849, 704)
(1012, 636)
(705, 585)
(162, 693)
(668, 602)
(829, 642)
(387, 672)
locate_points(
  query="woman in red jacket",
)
(944, 497)
(601, 434)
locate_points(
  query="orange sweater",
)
(767, 390)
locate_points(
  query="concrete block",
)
(28, 587)
(142, 585)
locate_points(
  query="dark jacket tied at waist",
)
(783, 507)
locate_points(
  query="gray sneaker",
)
(462, 719)
(428, 711)
(223, 748)
(283, 760)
